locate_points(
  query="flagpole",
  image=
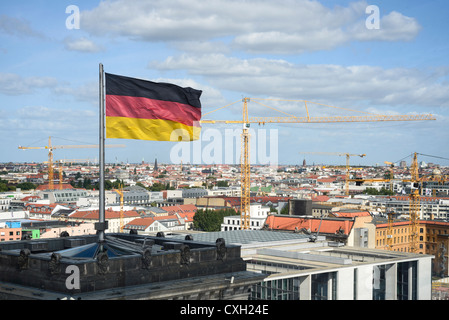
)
(101, 226)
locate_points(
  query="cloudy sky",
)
(339, 53)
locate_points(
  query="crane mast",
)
(348, 156)
(415, 205)
(245, 169)
(51, 147)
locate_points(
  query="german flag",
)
(145, 110)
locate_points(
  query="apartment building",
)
(4, 203)
(431, 207)
(64, 195)
(258, 215)
(431, 239)
(10, 231)
(112, 216)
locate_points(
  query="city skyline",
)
(330, 52)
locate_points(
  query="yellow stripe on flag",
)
(150, 129)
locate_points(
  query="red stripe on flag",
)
(144, 108)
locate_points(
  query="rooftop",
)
(244, 237)
(287, 254)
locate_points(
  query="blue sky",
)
(320, 51)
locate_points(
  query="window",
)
(282, 289)
(320, 286)
(379, 282)
(405, 289)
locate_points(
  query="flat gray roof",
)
(247, 236)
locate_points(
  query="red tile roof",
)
(329, 180)
(351, 214)
(40, 208)
(30, 198)
(292, 223)
(144, 222)
(320, 198)
(148, 221)
(181, 209)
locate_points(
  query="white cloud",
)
(393, 26)
(261, 77)
(14, 84)
(290, 43)
(290, 26)
(42, 120)
(17, 27)
(81, 44)
(86, 92)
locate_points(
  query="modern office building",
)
(64, 195)
(297, 268)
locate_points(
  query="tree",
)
(26, 186)
(3, 186)
(157, 187)
(211, 220)
(375, 192)
(222, 183)
(285, 210)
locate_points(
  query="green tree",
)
(211, 220)
(157, 187)
(284, 210)
(3, 186)
(26, 186)
(87, 183)
(222, 183)
(375, 192)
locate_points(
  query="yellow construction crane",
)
(389, 234)
(415, 205)
(245, 136)
(414, 200)
(120, 192)
(348, 155)
(50, 148)
(60, 167)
